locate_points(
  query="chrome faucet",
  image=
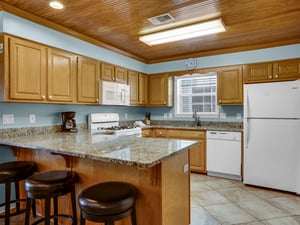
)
(197, 119)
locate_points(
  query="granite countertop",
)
(129, 150)
(204, 125)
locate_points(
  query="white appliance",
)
(112, 93)
(108, 123)
(272, 135)
(224, 154)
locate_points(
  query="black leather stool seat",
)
(107, 202)
(51, 184)
(14, 172)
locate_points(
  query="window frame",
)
(190, 114)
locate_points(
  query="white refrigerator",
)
(272, 135)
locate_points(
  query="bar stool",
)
(107, 202)
(50, 185)
(14, 172)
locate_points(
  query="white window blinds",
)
(197, 92)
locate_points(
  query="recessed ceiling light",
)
(56, 5)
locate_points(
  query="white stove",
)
(108, 123)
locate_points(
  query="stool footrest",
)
(70, 218)
(17, 212)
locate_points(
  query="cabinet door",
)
(27, 62)
(198, 157)
(258, 72)
(287, 69)
(230, 86)
(158, 89)
(133, 82)
(143, 89)
(88, 75)
(61, 76)
(120, 74)
(107, 72)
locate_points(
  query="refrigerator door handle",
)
(246, 113)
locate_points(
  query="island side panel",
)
(176, 189)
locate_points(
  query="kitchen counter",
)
(158, 168)
(128, 150)
(190, 125)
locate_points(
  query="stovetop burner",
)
(108, 123)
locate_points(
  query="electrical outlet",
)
(239, 116)
(223, 115)
(32, 118)
(8, 118)
(125, 115)
(165, 115)
(170, 115)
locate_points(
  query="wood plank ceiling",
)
(117, 24)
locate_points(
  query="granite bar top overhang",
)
(129, 150)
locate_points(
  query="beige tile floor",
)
(216, 201)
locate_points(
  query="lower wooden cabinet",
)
(197, 152)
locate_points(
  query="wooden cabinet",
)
(110, 72)
(272, 71)
(35, 73)
(88, 76)
(160, 90)
(230, 86)
(147, 132)
(197, 152)
(24, 70)
(138, 88)
(61, 76)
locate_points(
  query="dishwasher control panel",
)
(224, 135)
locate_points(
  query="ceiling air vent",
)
(161, 19)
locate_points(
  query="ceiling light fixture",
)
(56, 5)
(186, 32)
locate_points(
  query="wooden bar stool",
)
(107, 202)
(50, 185)
(14, 172)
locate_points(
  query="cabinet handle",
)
(97, 100)
(43, 97)
(220, 101)
(116, 79)
(276, 76)
(270, 77)
(160, 132)
(165, 102)
(50, 96)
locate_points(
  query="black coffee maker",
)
(69, 123)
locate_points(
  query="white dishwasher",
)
(224, 154)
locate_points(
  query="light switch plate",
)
(223, 115)
(32, 118)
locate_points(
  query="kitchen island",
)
(157, 167)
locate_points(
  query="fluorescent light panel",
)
(181, 33)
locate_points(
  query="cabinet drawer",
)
(160, 133)
(186, 134)
(147, 132)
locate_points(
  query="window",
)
(197, 92)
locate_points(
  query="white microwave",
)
(112, 93)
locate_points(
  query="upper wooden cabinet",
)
(35, 73)
(88, 76)
(138, 83)
(61, 76)
(110, 72)
(272, 71)
(24, 70)
(160, 90)
(230, 86)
